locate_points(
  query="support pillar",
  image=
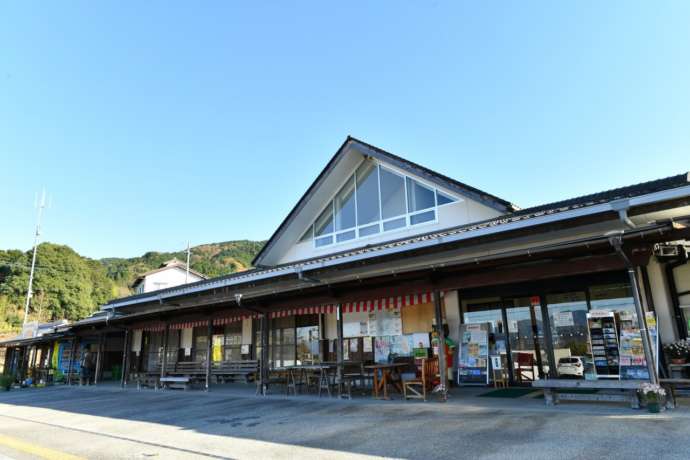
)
(99, 359)
(644, 332)
(443, 391)
(263, 361)
(339, 343)
(164, 358)
(125, 359)
(209, 354)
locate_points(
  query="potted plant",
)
(678, 352)
(653, 396)
(6, 382)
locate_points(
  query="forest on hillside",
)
(68, 285)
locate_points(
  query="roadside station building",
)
(380, 250)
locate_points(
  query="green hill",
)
(68, 285)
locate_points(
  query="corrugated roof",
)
(584, 201)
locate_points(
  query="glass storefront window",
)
(616, 298)
(488, 313)
(568, 321)
(233, 342)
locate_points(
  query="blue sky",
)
(153, 123)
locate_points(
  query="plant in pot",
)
(653, 396)
(6, 382)
(678, 352)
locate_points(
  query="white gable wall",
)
(461, 212)
(173, 276)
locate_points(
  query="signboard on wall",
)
(374, 324)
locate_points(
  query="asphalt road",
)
(109, 423)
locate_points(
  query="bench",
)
(175, 382)
(230, 370)
(671, 385)
(147, 379)
(619, 390)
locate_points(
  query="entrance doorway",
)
(516, 335)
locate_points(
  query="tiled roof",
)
(372, 250)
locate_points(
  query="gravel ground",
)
(106, 422)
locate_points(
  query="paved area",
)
(106, 422)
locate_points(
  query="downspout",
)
(617, 243)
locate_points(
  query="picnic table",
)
(390, 375)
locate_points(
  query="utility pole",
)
(41, 204)
(186, 276)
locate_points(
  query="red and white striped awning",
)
(233, 319)
(151, 327)
(323, 309)
(360, 306)
(388, 303)
(188, 324)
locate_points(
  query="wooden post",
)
(99, 359)
(125, 360)
(441, 345)
(263, 371)
(339, 345)
(72, 352)
(164, 358)
(209, 354)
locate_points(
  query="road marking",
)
(33, 449)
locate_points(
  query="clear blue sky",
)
(153, 123)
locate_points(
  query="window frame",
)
(331, 239)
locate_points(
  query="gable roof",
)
(366, 149)
(173, 263)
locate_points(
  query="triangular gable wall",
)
(285, 246)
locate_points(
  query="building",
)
(379, 250)
(170, 274)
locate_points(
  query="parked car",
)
(571, 366)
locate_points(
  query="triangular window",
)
(375, 199)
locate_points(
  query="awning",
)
(387, 303)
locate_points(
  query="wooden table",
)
(389, 375)
(301, 369)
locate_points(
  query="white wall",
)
(453, 315)
(450, 215)
(173, 276)
(662, 301)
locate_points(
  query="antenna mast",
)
(186, 276)
(41, 204)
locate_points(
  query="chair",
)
(417, 388)
(525, 367)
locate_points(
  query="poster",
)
(473, 354)
(421, 340)
(367, 345)
(217, 348)
(564, 319)
(375, 323)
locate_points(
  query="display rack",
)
(603, 339)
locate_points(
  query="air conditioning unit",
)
(670, 251)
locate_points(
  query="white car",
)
(572, 366)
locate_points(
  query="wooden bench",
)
(230, 370)
(184, 374)
(182, 382)
(671, 385)
(619, 390)
(147, 379)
